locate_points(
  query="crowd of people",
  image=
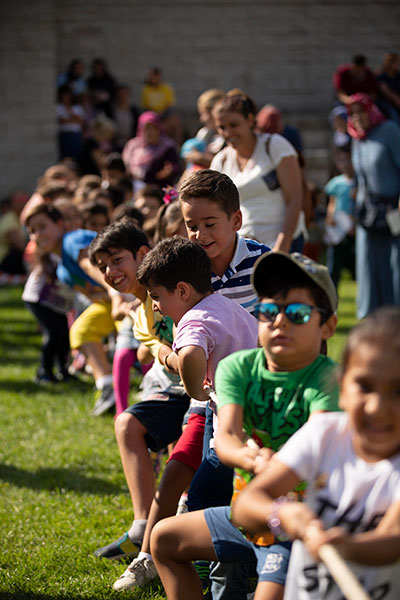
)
(192, 262)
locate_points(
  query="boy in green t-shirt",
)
(264, 394)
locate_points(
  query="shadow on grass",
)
(70, 480)
(56, 389)
(29, 595)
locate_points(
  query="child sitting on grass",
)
(351, 463)
(268, 392)
(177, 274)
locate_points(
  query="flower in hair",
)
(170, 195)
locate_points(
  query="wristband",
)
(166, 362)
(273, 520)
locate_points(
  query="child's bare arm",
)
(229, 441)
(380, 546)
(192, 363)
(121, 308)
(255, 504)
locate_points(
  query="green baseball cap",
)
(280, 264)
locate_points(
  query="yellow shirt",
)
(152, 329)
(157, 97)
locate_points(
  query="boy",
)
(177, 274)
(46, 229)
(211, 211)
(351, 462)
(155, 422)
(269, 392)
(210, 205)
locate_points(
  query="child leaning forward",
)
(266, 394)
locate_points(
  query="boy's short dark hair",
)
(121, 235)
(176, 259)
(276, 273)
(214, 186)
(93, 208)
(127, 210)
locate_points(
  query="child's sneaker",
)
(104, 400)
(120, 549)
(44, 378)
(182, 504)
(140, 571)
(203, 571)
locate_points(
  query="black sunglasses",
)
(297, 312)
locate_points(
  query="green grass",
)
(62, 490)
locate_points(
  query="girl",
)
(351, 463)
(46, 298)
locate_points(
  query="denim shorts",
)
(231, 546)
(162, 417)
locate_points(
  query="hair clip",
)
(170, 195)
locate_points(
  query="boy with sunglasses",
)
(265, 394)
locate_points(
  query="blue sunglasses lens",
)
(296, 312)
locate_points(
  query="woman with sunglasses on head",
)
(266, 171)
(376, 162)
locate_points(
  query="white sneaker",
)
(140, 571)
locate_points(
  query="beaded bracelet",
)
(273, 520)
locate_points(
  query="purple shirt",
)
(219, 326)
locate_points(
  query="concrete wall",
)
(282, 52)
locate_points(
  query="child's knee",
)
(128, 428)
(163, 538)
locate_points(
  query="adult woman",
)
(265, 169)
(151, 156)
(376, 162)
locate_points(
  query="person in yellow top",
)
(159, 96)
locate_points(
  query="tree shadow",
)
(52, 479)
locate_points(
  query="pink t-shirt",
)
(219, 326)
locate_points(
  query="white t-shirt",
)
(343, 490)
(64, 113)
(263, 209)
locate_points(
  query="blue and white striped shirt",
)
(235, 282)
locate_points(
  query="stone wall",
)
(282, 52)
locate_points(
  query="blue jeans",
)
(212, 484)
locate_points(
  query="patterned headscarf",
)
(373, 112)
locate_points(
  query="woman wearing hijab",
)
(151, 156)
(376, 163)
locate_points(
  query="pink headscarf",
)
(373, 112)
(148, 117)
(137, 154)
(269, 120)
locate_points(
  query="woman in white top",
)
(266, 171)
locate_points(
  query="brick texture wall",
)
(282, 52)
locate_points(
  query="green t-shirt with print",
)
(275, 404)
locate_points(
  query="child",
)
(177, 274)
(156, 421)
(46, 298)
(341, 191)
(269, 392)
(95, 216)
(351, 462)
(75, 271)
(210, 207)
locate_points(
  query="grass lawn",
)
(62, 490)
